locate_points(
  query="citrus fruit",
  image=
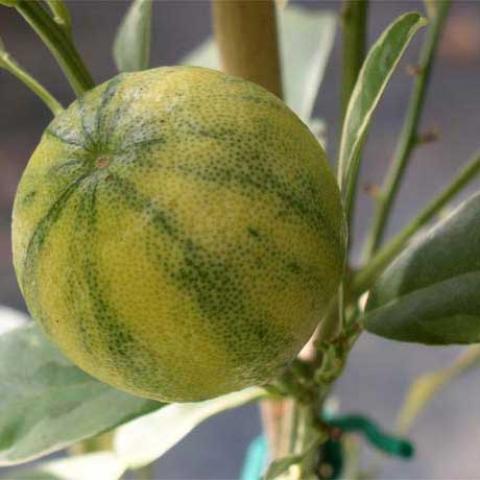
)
(178, 233)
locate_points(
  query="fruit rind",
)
(178, 233)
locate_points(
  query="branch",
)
(354, 18)
(409, 135)
(9, 64)
(354, 27)
(365, 277)
(246, 34)
(59, 43)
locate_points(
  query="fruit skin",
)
(178, 233)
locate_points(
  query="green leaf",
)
(281, 466)
(318, 127)
(430, 294)
(425, 387)
(61, 15)
(372, 80)
(131, 49)
(11, 319)
(47, 403)
(145, 439)
(204, 55)
(101, 465)
(306, 40)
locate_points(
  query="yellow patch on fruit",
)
(178, 233)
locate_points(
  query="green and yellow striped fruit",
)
(178, 233)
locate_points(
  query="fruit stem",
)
(59, 43)
(246, 34)
(365, 277)
(9, 64)
(408, 139)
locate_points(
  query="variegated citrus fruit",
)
(178, 233)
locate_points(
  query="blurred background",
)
(447, 435)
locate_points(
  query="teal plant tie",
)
(387, 443)
(332, 453)
(255, 459)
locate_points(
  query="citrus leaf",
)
(204, 55)
(145, 439)
(47, 403)
(430, 294)
(425, 387)
(101, 465)
(131, 49)
(281, 466)
(318, 127)
(10, 319)
(372, 80)
(278, 467)
(306, 40)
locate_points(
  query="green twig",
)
(61, 15)
(354, 36)
(409, 135)
(59, 43)
(364, 278)
(329, 326)
(354, 26)
(9, 64)
(308, 440)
